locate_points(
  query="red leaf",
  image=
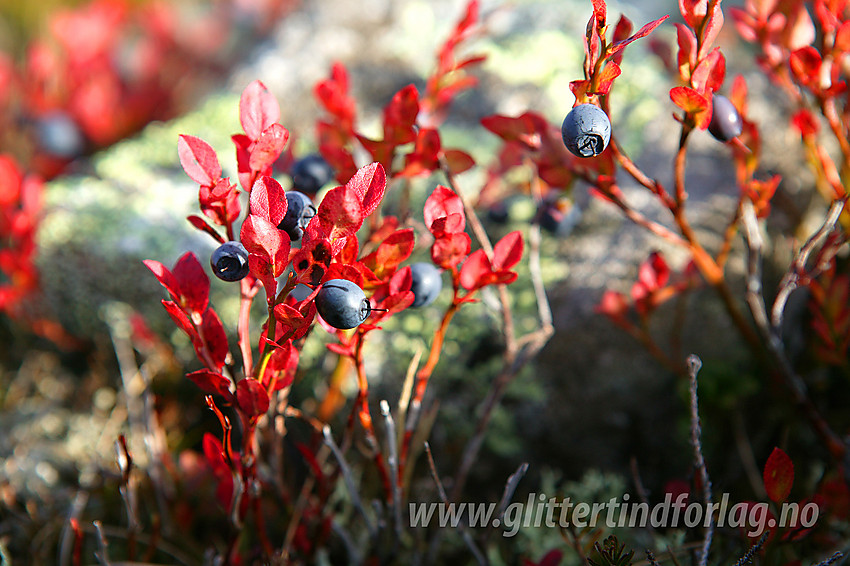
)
(606, 78)
(687, 57)
(199, 160)
(268, 147)
(261, 237)
(400, 116)
(458, 161)
(258, 110)
(395, 249)
(211, 382)
(508, 251)
(474, 269)
(426, 154)
(369, 184)
(165, 277)
(693, 11)
(805, 123)
(214, 336)
(268, 200)
(599, 11)
(289, 317)
(202, 225)
(341, 213)
(193, 283)
(261, 269)
(613, 305)
(181, 320)
(642, 32)
(778, 476)
(252, 397)
(693, 103)
(805, 64)
(654, 273)
(710, 73)
(440, 204)
(450, 249)
(710, 29)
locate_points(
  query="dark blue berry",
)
(299, 211)
(59, 135)
(342, 304)
(310, 174)
(725, 123)
(558, 217)
(426, 285)
(229, 261)
(586, 130)
(498, 213)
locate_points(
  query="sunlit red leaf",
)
(268, 147)
(804, 122)
(400, 116)
(606, 78)
(805, 64)
(165, 277)
(258, 109)
(642, 32)
(693, 103)
(440, 204)
(341, 213)
(778, 476)
(474, 269)
(711, 28)
(261, 237)
(369, 184)
(268, 200)
(687, 55)
(199, 160)
(202, 225)
(508, 251)
(710, 73)
(450, 249)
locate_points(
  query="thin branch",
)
(650, 557)
(476, 552)
(791, 279)
(349, 480)
(755, 300)
(748, 556)
(831, 560)
(392, 460)
(694, 365)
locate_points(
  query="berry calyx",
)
(229, 261)
(342, 304)
(586, 130)
(311, 173)
(726, 122)
(426, 284)
(299, 211)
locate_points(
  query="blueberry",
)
(311, 173)
(299, 211)
(426, 285)
(558, 217)
(230, 261)
(586, 130)
(726, 123)
(59, 135)
(498, 213)
(342, 304)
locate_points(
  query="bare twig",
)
(694, 365)
(392, 460)
(476, 552)
(755, 300)
(748, 556)
(791, 279)
(510, 488)
(831, 560)
(349, 480)
(102, 553)
(650, 557)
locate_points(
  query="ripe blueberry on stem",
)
(342, 304)
(229, 261)
(299, 211)
(586, 130)
(726, 122)
(311, 173)
(426, 283)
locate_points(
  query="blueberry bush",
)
(334, 248)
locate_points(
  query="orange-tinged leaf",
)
(340, 213)
(778, 475)
(606, 78)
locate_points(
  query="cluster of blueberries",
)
(586, 132)
(341, 303)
